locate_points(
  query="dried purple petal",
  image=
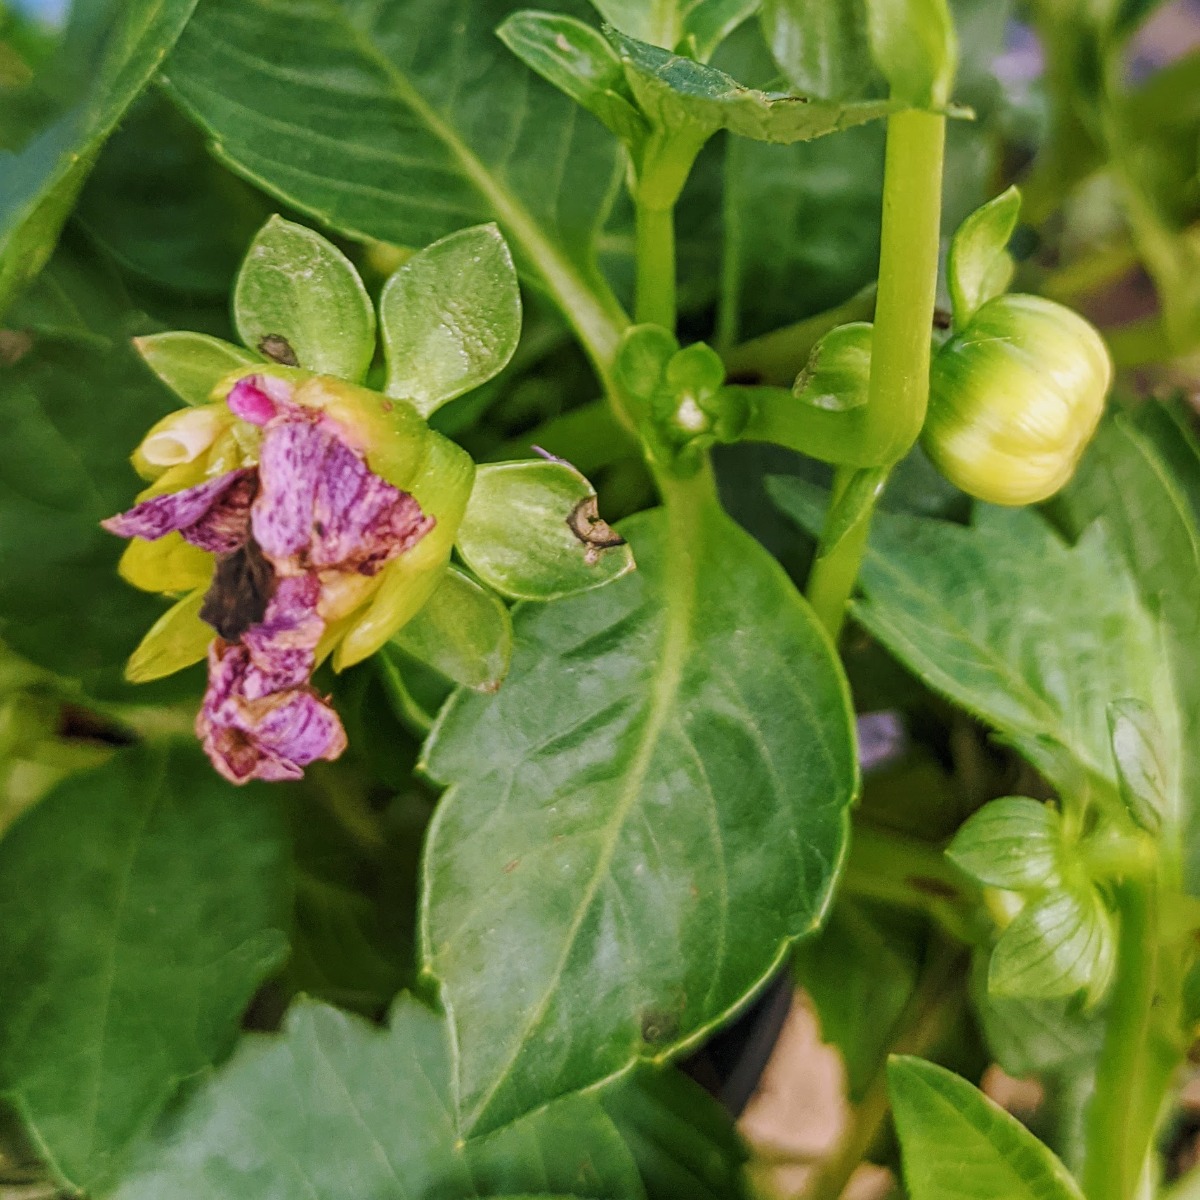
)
(214, 515)
(320, 506)
(272, 736)
(283, 646)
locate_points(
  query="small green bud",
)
(1015, 397)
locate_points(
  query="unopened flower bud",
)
(1015, 397)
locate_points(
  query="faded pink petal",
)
(258, 398)
(282, 647)
(273, 736)
(214, 515)
(320, 506)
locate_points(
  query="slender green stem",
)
(1119, 1128)
(656, 266)
(898, 391)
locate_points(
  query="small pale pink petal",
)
(177, 511)
(258, 398)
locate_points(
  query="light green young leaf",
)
(1013, 843)
(343, 1110)
(968, 610)
(642, 360)
(916, 47)
(959, 1145)
(579, 61)
(693, 27)
(40, 182)
(838, 370)
(298, 286)
(979, 266)
(192, 364)
(450, 317)
(464, 632)
(532, 531)
(1144, 769)
(707, 739)
(126, 969)
(1058, 944)
(361, 131)
(684, 96)
(821, 48)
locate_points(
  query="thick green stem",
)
(898, 391)
(1121, 1116)
(656, 266)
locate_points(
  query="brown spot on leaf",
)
(659, 1027)
(511, 866)
(592, 530)
(278, 349)
(14, 345)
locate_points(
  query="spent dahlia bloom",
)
(300, 538)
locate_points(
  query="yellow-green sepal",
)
(169, 565)
(441, 487)
(176, 640)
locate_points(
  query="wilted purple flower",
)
(288, 533)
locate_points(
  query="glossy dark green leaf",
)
(821, 48)
(450, 317)
(859, 975)
(1144, 772)
(40, 182)
(959, 1145)
(333, 1108)
(345, 110)
(654, 805)
(979, 266)
(142, 904)
(1013, 842)
(967, 609)
(463, 631)
(72, 408)
(681, 94)
(579, 61)
(298, 286)
(684, 1142)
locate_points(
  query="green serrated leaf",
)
(681, 95)
(579, 61)
(344, 1110)
(1058, 944)
(298, 286)
(450, 317)
(464, 632)
(959, 1145)
(707, 679)
(968, 611)
(979, 266)
(1143, 769)
(126, 968)
(532, 532)
(362, 132)
(838, 370)
(1013, 843)
(192, 364)
(916, 47)
(40, 182)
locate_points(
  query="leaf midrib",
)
(593, 316)
(685, 526)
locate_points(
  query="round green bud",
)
(1015, 397)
